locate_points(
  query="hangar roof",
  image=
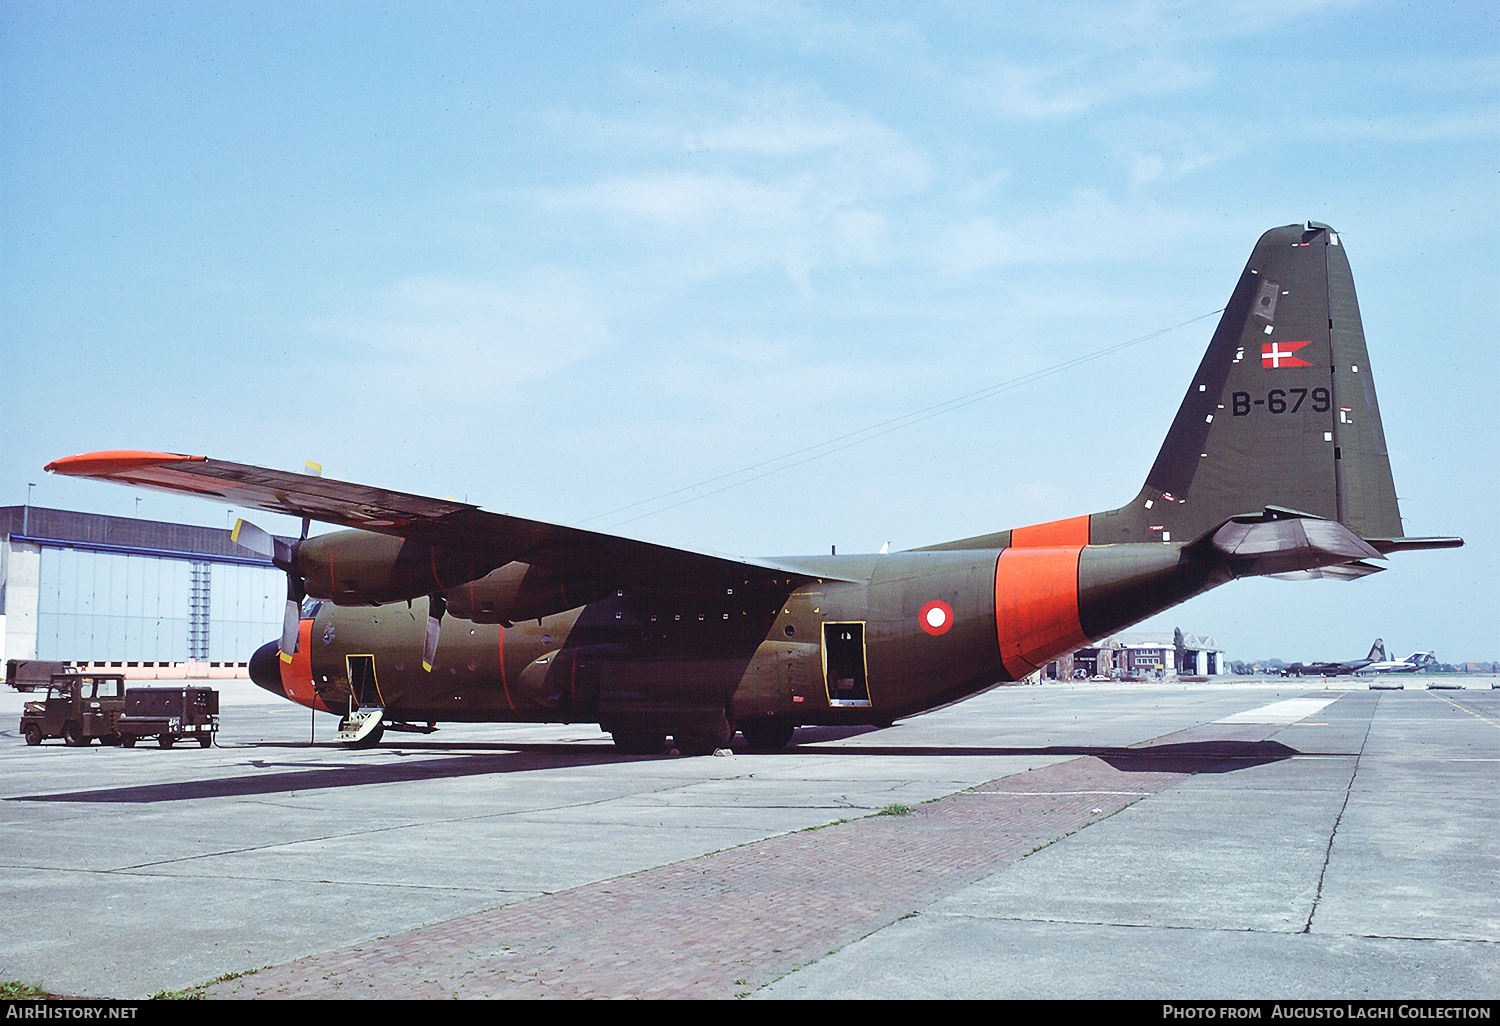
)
(66, 528)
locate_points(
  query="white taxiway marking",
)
(1290, 711)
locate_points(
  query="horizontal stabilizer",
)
(1415, 544)
(1276, 544)
(1342, 572)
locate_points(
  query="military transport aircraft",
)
(1417, 662)
(1275, 465)
(1377, 654)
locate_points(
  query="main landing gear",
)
(769, 735)
(639, 742)
(761, 735)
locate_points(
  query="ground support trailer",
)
(34, 674)
(170, 715)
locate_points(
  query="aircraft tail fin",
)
(1377, 652)
(1280, 424)
(1281, 413)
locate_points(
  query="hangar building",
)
(1144, 655)
(84, 588)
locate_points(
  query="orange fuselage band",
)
(1053, 534)
(1036, 606)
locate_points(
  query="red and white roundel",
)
(936, 617)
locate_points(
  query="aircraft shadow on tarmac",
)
(1211, 756)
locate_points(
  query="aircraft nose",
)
(265, 668)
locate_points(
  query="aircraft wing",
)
(441, 523)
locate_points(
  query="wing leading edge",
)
(440, 523)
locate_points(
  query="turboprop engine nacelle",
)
(358, 568)
(520, 591)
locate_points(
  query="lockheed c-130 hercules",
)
(1331, 669)
(1275, 465)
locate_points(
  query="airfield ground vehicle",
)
(170, 715)
(78, 708)
(33, 674)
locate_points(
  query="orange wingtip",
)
(103, 464)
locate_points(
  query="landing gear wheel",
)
(33, 734)
(73, 735)
(694, 744)
(370, 740)
(165, 740)
(768, 735)
(705, 742)
(639, 744)
(127, 741)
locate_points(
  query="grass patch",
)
(17, 990)
(176, 995)
(895, 810)
(824, 826)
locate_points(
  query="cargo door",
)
(365, 722)
(362, 682)
(844, 664)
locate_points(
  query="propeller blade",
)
(436, 607)
(247, 536)
(289, 627)
(292, 621)
(312, 470)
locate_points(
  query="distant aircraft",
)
(1417, 662)
(1377, 653)
(1275, 465)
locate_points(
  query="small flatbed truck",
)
(78, 708)
(170, 715)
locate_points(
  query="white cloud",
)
(808, 28)
(1164, 151)
(766, 179)
(1475, 123)
(1070, 85)
(466, 336)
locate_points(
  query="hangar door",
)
(126, 606)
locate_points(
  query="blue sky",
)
(558, 259)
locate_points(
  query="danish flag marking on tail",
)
(1279, 354)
